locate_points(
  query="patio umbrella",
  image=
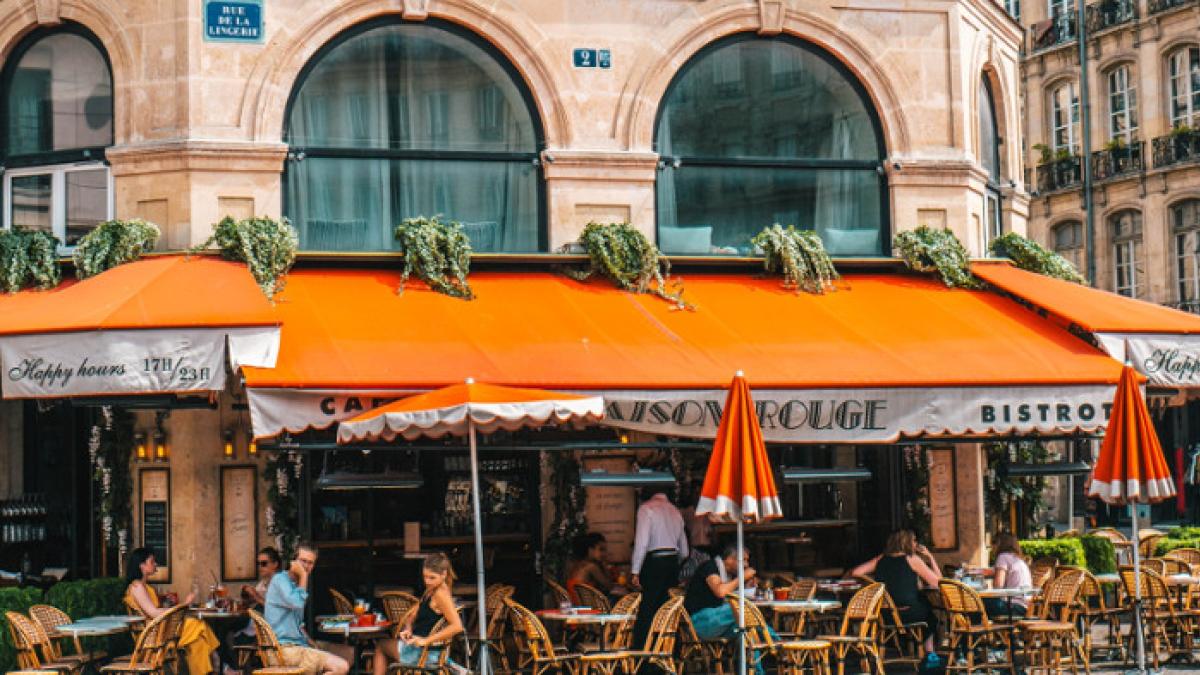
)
(739, 486)
(465, 410)
(1131, 470)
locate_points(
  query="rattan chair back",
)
(758, 635)
(1110, 533)
(150, 649)
(1149, 544)
(396, 605)
(560, 593)
(27, 657)
(50, 618)
(1042, 570)
(861, 618)
(803, 589)
(664, 628)
(433, 655)
(269, 651)
(36, 636)
(1187, 555)
(590, 596)
(1060, 596)
(619, 635)
(1068, 534)
(1157, 565)
(1175, 566)
(537, 638)
(963, 605)
(341, 604)
(676, 592)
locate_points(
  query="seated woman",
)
(437, 603)
(590, 553)
(1010, 571)
(705, 602)
(903, 568)
(197, 639)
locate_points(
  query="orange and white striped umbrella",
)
(739, 485)
(1131, 467)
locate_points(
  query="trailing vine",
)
(622, 253)
(110, 449)
(570, 513)
(28, 258)
(438, 253)
(282, 473)
(112, 243)
(929, 250)
(799, 255)
(1033, 257)
(1001, 491)
(916, 486)
(267, 246)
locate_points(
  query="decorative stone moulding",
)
(770, 15)
(48, 12)
(415, 10)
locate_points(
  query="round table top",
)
(214, 613)
(814, 605)
(1008, 592)
(582, 617)
(346, 628)
(1108, 578)
(93, 628)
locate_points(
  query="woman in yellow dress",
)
(197, 639)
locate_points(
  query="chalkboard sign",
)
(156, 519)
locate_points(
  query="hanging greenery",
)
(1002, 492)
(112, 243)
(622, 253)
(266, 245)
(916, 490)
(28, 258)
(1032, 256)
(930, 250)
(282, 473)
(439, 253)
(110, 450)
(570, 511)
(799, 255)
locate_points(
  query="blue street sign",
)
(604, 58)
(233, 20)
(585, 58)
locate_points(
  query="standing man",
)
(659, 543)
(286, 596)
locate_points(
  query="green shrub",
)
(14, 600)
(1065, 551)
(1186, 532)
(1168, 544)
(1100, 553)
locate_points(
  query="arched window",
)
(1066, 239)
(393, 121)
(989, 157)
(56, 119)
(1064, 118)
(1183, 72)
(1125, 230)
(1122, 104)
(755, 131)
(1185, 231)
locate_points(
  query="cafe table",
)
(96, 626)
(1008, 594)
(576, 617)
(358, 637)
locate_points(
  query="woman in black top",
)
(437, 603)
(902, 568)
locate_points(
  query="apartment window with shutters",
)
(1125, 229)
(1067, 240)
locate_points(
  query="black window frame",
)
(299, 153)
(677, 161)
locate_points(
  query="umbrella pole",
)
(741, 547)
(1137, 591)
(484, 664)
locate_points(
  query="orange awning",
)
(351, 343)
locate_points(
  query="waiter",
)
(659, 543)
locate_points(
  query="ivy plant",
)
(267, 246)
(1001, 491)
(282, 473)
(28, 258)
(112, 243)
(799, 256)
(927, 249)
(622, 253)
(1032, 256)
(438, 252)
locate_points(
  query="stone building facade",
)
(1143, 67)
(182, 130)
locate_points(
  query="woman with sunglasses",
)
(268, 562)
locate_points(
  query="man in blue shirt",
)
(284, 610)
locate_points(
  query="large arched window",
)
(989, 157)
(394, 121)
(56, 119)
(1185, 231)
(755, 131)
(1066, 239)
(1129, 272)
(1183, 87)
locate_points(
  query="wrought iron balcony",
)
(1156, 6)
(1058, 30)
(1192, 306)
(1176, 147)
(1118, 161)
(1060, 174)
(1109, 13)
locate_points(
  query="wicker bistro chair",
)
(710, 656)
(658, 650)
(620, 635)
(396, 606)
(1160, 620)
(341, 604)
(792, 657)
(1190, 556)
(270, 655)
(560, 593)
(149, 654)
(434, 658)
(971, 631)
(899, 642)
(1052, 639)
(50, 618)
(22, 631)
(497, 628)
(540, 655)
(48, 652)
(590, 596)
(1092, 611)
(1149, 544)
(791, 621)
(860, 629)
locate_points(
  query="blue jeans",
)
(411, 654)
(712, 623)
